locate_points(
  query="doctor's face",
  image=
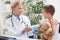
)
(18, 10)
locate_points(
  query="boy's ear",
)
(48, 13)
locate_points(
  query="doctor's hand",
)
(27, 29)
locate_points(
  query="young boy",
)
(48, 12)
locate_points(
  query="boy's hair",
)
(50, 9)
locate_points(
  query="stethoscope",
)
(26, 25)
(20, 23)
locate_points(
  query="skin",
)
(17, 11)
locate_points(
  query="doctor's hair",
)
(15, 4)
(50, 9)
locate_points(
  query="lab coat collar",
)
(15, 17)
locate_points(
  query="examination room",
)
(29, 20)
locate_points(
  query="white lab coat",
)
(18, 26)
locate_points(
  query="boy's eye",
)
(20, 8)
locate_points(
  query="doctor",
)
(18, 24)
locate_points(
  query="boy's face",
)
(45, 14)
